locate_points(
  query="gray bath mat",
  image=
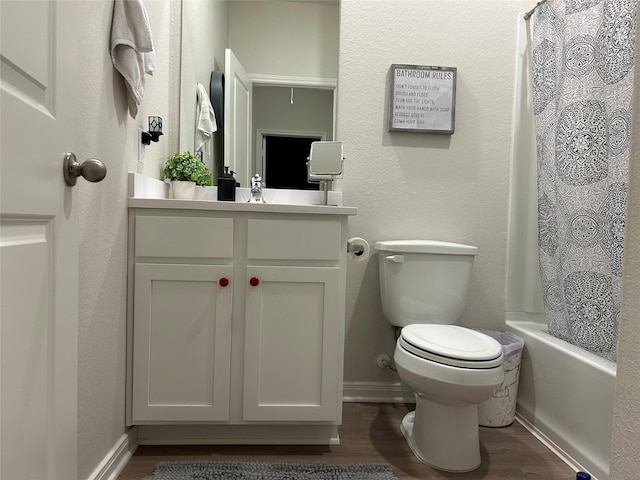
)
(221, 470)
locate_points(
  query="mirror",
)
(325, 164)
(325, 160)
(280, 43)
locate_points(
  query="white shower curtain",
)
(582, 88)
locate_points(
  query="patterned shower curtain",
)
(582, 89)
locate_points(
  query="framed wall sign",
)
(422, 99)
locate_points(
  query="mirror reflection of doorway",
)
(285, 161)
(289, 112)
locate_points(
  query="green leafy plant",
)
(187, 167)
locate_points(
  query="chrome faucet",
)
(256, 189)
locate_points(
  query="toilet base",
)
(444, 437)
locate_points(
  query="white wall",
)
(417, 185)
(275, 38)
(625, 451)
(109, 133)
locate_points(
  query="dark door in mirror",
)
(286, 162)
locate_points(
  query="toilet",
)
(450, 368)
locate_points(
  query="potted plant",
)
(185, 171)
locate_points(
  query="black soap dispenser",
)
(227, 186)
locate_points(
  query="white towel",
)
(132, 51)
(205, 118)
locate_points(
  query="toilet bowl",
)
(450, 368)
(443, 429)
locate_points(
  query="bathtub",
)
(565, 395)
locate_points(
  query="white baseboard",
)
(115, 461)
(377, 392)
(551, 445)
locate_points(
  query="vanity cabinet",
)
(236, 319)
(182, 313)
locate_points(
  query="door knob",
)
(224, 281)
(92, 170)
(254, 281)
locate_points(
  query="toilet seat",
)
(451, 345)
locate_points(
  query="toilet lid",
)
(452, 345)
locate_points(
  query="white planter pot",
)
(183, 190)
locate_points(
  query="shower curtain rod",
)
(527, 15)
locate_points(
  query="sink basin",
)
(278, 196)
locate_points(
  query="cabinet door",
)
(182, 343)
(292, 353)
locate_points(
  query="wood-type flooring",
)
(370, 433)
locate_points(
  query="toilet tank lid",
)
(425, 246)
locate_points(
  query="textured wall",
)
(625, 451)
(285, 38)
(417, 185)
(109, 133)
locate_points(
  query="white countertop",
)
(146, 192)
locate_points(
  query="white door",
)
(238, 91)
(38, 241)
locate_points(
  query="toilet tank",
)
(423, 281)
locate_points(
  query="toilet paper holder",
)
(355, 249)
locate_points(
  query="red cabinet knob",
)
(254, 281)
(224, 281)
